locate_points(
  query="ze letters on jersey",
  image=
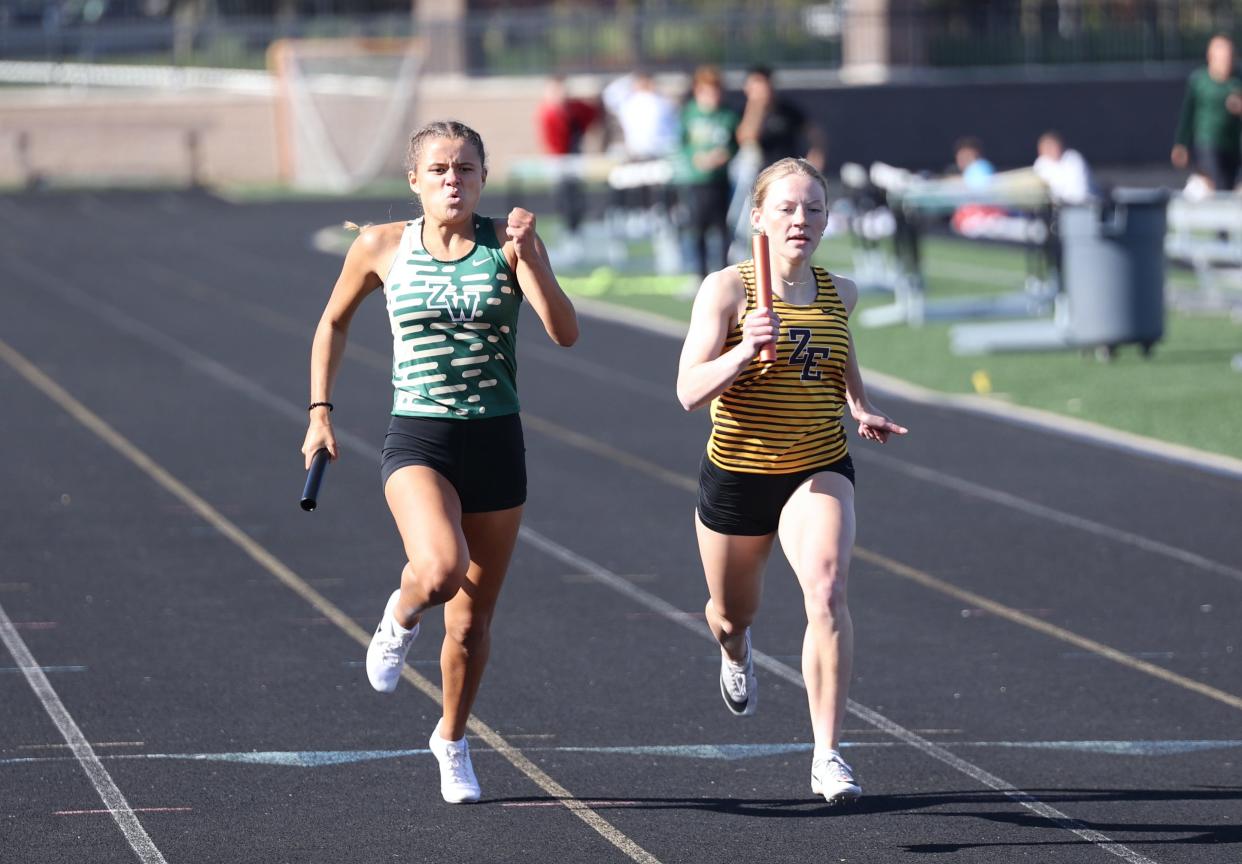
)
(806, 354)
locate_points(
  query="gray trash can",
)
(1112, 270)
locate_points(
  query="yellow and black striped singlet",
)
(783, 417)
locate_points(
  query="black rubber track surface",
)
(1048, 630)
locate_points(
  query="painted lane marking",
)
(299, 586)
(271, 758)
(109, 793)
(113, 812)
(640, 615)
(704, 752)
(220, 372)
(44, 669)
(1059, 633)
(896, 568)
(244, 385)
(1209, 461)
(1075, 428)
(981, 613)
(230, 378)
(1115, 748)
(591, 803)
(928, 475)
(1142, 655)
(874, 718)
(1023, 505)
(607, 451)
(579, 578)
(1008, 413)
(95, 744)
(419, 661)
(609, 375)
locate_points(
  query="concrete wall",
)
(108, 135)
(114, 135)
(100, 134)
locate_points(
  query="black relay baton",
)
(310, 492)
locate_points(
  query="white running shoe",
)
(458, 785)
(738, 685)
(389, 645)
(834, 779)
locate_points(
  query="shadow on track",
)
(786, 808)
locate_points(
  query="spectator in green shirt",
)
(709, 142)
(1210, 127)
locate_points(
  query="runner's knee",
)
(825, 594)
(731, 619)
(439, 572)
(468, 630)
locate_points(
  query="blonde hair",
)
(783, 168)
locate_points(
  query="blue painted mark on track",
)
(1121, 748)
(718, 752)
(301, 758)
(725, 752)
(285, 758)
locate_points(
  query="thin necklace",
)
(794, 283)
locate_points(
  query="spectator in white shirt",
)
(648, 119)
(1063, 170)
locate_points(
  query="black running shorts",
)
(484, 459)
(733, 502)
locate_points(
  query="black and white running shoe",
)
(738, 685)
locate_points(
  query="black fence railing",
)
(574, 38)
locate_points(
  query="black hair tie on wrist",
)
(315, 405)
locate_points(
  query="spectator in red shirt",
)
(563, 121)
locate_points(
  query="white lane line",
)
(129, 324)
(788, 673)
(1051, 514)
(260, 554)
(111, 796)
(1040, 626)
(96, 744)
(976, 602)
(113, 812)
(599, 805)
(928, 475)
(1070, 427)
(1142, 749)
(609, 375)
(246, 386)
(236, 381)
(1014, 415)
(240, 383)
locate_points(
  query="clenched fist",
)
(521, 231)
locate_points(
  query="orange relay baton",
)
(763, 287)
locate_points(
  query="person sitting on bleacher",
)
(976, 170)
(1064, 171)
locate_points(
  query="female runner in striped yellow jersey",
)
(777, 464)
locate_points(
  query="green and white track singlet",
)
(454, 329)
